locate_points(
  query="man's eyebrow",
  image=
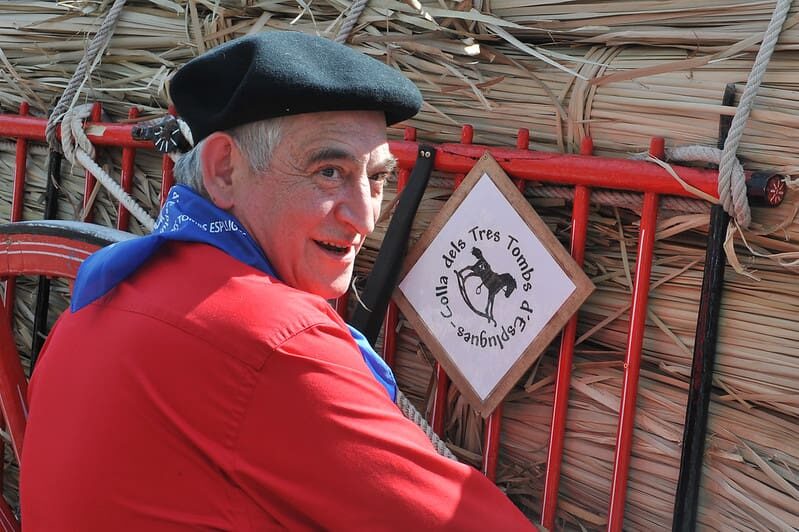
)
(330, 154)
(389, 164)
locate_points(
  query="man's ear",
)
(222, 167)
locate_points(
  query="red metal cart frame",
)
(583, 171)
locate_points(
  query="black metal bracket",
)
(686, 499)
(368, 317)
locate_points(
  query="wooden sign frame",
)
(429, 279)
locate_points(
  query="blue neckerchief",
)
(188, 217)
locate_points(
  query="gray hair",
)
(256, 140)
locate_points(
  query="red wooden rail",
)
(583, 171)
(582, 196)
(605, 172)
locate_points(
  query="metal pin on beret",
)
(278, 73)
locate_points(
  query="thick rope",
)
(732, 187)
(709, 154)
(410, 412)
(356, 9)
(627, 200)
(77, 148)
(85, 67)
(611, 198)
(11, 146)
(703, 154)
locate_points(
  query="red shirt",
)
(203, 394)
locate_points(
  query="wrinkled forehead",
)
(353, 134)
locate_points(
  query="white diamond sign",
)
(488, 286)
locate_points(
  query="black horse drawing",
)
(494, 282)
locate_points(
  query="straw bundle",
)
(617, 105)
(43, 42)
(471, 69)
(749, 480)
(495, 83)
(745, 370)
(708, 25)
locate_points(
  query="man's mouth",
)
(333, 248)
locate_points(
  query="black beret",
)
(278, 73)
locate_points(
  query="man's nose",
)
(358, 206)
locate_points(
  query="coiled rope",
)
(732, 186)
(87, 64)
(410, 412)
(75, 145)
(77, 148)
(627, 200)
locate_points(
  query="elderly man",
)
(200, 380)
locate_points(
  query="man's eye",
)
(382, 177)
(330, 172)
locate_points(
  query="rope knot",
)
(732, 179)
(79, 150)
(73, 137)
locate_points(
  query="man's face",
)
(311, 210)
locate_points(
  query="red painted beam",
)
(17, 206)
(580, 211)
(99, 133)
(126, 178)
(20, 168)
(439, 400)
(632, 363)
(606, 172)
(632, 359)
(491, 434)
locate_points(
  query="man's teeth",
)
(333, 247)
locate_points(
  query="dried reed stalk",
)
(747, 464)
(708, 25)
(488, 82)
